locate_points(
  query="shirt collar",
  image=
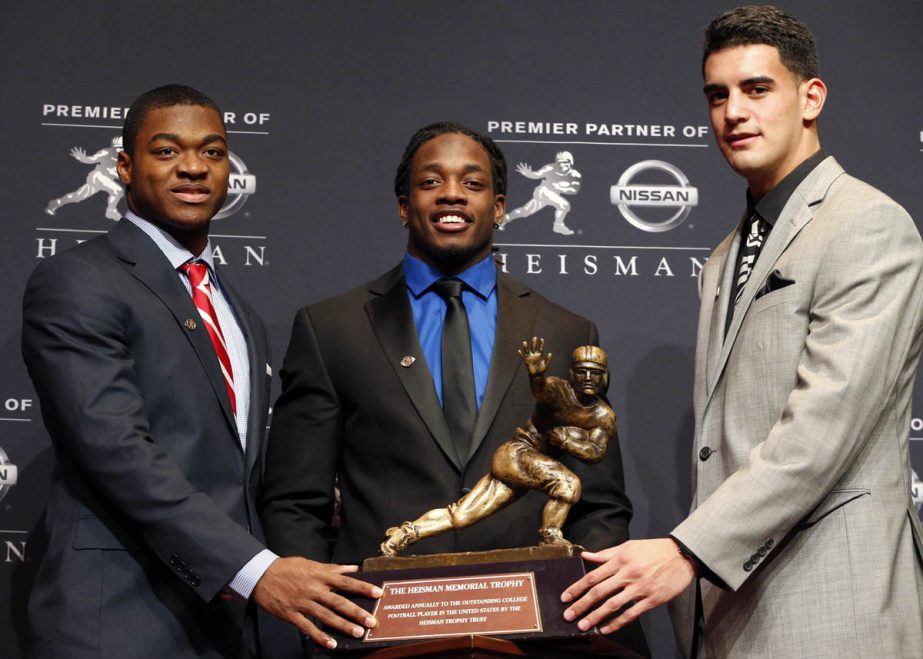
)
(770, 207)
(480, 278)
(176, 254)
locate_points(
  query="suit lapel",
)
(515, 320)
(153, 270)
(797, 213)
(724, 257)
(392, 321)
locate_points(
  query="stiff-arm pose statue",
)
(570, 415)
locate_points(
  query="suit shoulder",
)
(347, 304)
(89, 259)
(859, 197)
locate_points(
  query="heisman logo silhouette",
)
(558, 178)
(102, 178)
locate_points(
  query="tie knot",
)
(197, 271)
(448, 288)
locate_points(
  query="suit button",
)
(174, 559)
(762, 551)
(465, 490)
(748, 566)
(187, 576)
(705, 453)
(194, 581)
(755, 558)
(769, 543)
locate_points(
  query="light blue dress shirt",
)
(480, 299)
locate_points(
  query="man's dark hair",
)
(765, 25)
(497, 161)
(162, 97)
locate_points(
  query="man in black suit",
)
(362, 397)
(154, 377)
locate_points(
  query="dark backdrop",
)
(324, 96)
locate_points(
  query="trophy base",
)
(504, 602)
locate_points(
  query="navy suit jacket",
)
(151, 511)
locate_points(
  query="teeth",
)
(451, 219)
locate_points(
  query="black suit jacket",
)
(152, 496)
(350, 408)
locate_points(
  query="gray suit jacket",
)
(152, 498)
(801, 505)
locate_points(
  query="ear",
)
(815, 93)
(499, 208)
(123, 166)
(403, 209)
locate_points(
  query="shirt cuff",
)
(245, 581)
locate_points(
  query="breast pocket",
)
(775, 299)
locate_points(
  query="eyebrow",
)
(746, 82)
(435, 166)
(173, 137)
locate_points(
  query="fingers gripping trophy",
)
(570, 416)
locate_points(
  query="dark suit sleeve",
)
(600, 519)
(297, 500)
(82, 358)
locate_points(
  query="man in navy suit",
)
(154, 387)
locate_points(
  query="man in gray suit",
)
(802, 532)
(153, 375)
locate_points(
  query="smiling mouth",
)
(451, 218)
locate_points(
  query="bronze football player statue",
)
(570, 415)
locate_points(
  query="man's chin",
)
(452, 258)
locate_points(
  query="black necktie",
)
(750, 247)
(749, 251)
(458, 396)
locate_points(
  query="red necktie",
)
(197, 272)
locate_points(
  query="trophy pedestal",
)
(500, 603)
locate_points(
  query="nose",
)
(453, 192)
(735, 109)
(192, 165)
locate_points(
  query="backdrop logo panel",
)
(101, 181)
(626, 195)
(561, 223)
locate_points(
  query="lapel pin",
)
(189, 323)
(407, 361)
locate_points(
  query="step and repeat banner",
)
(599, 100)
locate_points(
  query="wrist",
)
(690, 558)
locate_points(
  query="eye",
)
(716, 98)
(214, 152)
(759, 90)
(429, 182)
(165, 151)
(475, 185)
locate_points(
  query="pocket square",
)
(774, 282)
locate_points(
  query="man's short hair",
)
(161, 97)
(765, 25)
(497, 161)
